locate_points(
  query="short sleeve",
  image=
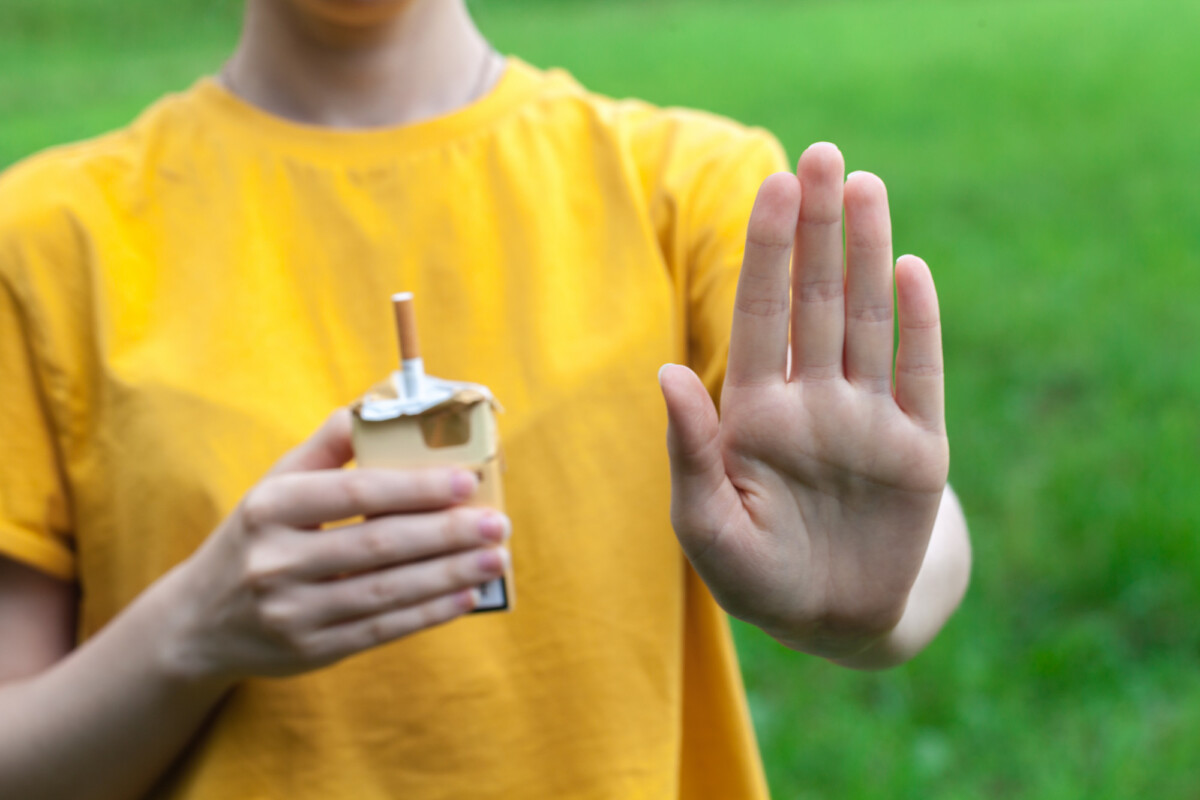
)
(705, 175)
(34, 517)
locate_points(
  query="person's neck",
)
(425, 61)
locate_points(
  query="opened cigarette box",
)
(412, 420)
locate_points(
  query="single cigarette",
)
(406, 325)
(411, 365)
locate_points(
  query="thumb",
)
(693, 443)
(330, 447)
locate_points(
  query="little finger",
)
(339, 641)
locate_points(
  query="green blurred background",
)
(1043, 155)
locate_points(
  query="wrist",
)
(844, 645)
(177, 639)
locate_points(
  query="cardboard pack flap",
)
(383, 402)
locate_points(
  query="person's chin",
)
(354, 12)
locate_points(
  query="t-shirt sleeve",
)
(34, 518)
(706, 175)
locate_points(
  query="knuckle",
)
(923, 370)
(357, 489)
(818, 219)
(922, 325)
(432, 485)
(377, 632)
(692, 458)
(872, 313)
(455, 572)
(261, 506)
(820, 291)
(450, 572)
(763, 306)
(460, 526)
(381, 590)
(768, 236)
(869, 242)
(426, 615)
(376, 543)
(830, 371)
(264, 573)
(279, 619)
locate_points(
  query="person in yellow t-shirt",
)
(183, 301)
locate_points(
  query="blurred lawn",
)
(1043, 155)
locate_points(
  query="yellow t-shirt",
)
(184, 300)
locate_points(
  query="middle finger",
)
(818, 306)
(396, 539)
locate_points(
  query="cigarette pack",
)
(412, 420)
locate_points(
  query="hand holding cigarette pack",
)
(413, 420)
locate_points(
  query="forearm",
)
(939, 588)
(108, 719)
(263, 596)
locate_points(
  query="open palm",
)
(808, 504)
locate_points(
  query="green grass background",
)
(1043, 155)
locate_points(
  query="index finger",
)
(310, 499)
(759, 338)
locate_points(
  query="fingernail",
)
(462, 484)
(663, 367)
(473, 598)
(862, 174)
(495, 527)
(494, 561)
(824, 144)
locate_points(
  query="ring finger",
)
(374, 592)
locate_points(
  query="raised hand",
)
(808, 505)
